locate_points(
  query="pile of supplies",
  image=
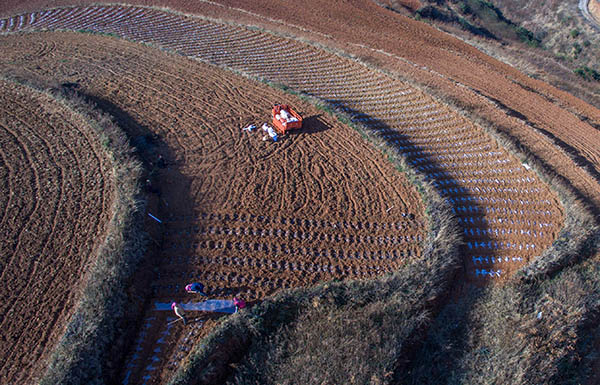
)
(285, 117)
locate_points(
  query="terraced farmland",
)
(55, 203)
(508, 216)
(241, 214)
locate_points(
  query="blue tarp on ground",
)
(214, 305)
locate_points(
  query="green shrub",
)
(527, 37)
(434, 13)
(464, 8)
(576, 49)
(588, 73)
(574, 33)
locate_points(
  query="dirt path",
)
(54, 207)
(591, 11)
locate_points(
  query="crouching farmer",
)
(195, 288)
(239, 303)
(178, 309)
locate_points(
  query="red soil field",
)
(508, 216)
(54, 208)
(503, 208)
(241, 214)
(557, 127)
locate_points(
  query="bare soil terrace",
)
(241, 214)
(559, 128)
(503, 208)
(55, 202)
(508, 216)
(219, 221)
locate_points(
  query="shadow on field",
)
(158, 161)
(311, 125)
(452, 307)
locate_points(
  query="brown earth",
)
(485, 184)
(507, 214)
(561, 124)
(241, 214)
(556, 126)
(55, 202)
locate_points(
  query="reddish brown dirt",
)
(507, 215)
(486, 186)
(241, 214)
(434, 58)
(417, 51)
(54, 207)
(564, 125)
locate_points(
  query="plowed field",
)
(54, 207)
(244, 214)
(240, 213)
(508, 216)
(556, 126)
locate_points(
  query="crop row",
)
(306, 223)
(295, 235)
(285, 249)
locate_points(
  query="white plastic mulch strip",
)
(214, 305)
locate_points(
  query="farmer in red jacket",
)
(239, 303)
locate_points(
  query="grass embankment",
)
(340, 331)
(94, 333)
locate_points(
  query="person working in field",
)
(195, 288)
(239, 303)
(179, 312)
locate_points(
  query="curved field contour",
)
(508, 215)
(54, 207)
(239, 214)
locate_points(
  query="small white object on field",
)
(539, 315)
(527, 167)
